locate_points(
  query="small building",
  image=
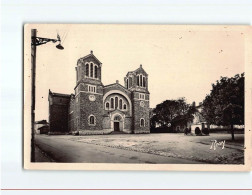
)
(198, 120)
(39, 124)
(44, 129)
(58, 113)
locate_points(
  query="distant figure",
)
(186, 131)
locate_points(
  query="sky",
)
(181, 61)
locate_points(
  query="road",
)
(62, 149)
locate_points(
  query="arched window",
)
(117, 118)
(116, 102)
(107, 105)
(96, 73)
(125, 107)
(91, 120)
(137, 80)
(127, 83)
(130, 82)
(112, 103)
(144, 82)
(91, 70)
(120, 104)
(141, 83)
(87, 70)
(141, 122)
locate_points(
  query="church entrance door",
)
(116, 126)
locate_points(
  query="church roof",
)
(43, 127)
(117, 83)
(90, 55)
(58, 94)
(41, 122)
(137, 70)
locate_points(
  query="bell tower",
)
(137, 82)
(88, 93)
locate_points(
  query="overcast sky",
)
(182, 61)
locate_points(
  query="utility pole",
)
(36, 41)
(33, 87)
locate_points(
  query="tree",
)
(173, 112)
(225, 104)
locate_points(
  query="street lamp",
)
(36, 41)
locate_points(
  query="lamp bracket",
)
(40, 40)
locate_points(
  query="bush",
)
(197, 131)
(205, 131)
(186, 131)
(161, 130)
(76, 133)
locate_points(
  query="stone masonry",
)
(101, 109)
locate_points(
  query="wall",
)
(140, 112)
(88, 108)
(58, 119)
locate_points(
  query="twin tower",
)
(101, 109)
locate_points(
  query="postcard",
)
(137, 97)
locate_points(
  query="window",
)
(116, 102)
(112, 103)
(141, 80)
(92, 88)
(142, 122)
(127, 83)
(107, 105)
(87, 70)
(141, 96)
(120, 104)
(130, 82)
(117, 118)
(125, 107)
(91, 70)
(137, 80)
(96, 74)
(144, 82)
(91, 120)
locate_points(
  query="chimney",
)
(117, 81)
(91, 51)
(141, 66)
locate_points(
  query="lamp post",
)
(36, 41)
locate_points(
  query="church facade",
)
(101, 109)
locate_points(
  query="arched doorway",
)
(117, 122)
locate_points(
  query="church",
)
(95, 108)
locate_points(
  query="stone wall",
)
(140, 112)
(88, 108)
(72, 115)
(106, 123)
(58, 113)
(128, 124)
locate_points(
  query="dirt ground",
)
(41, 156)
(196, 148)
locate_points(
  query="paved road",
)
(65, 150)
